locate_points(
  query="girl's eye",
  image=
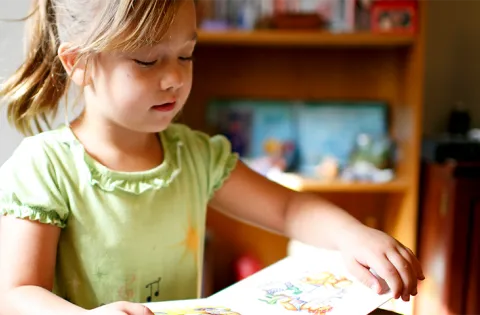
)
(145, 63)
(186, 58)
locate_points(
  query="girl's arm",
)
(28, 253)
(254, 199)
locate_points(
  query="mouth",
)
(165, 107)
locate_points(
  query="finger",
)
(147, 311)
(132, 308)
(387, 271)
(416, 263)
(362, 274)
(406, 272)
(110, 309)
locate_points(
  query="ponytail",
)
(33, 92)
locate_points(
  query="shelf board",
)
(303, 38)
(299, 183)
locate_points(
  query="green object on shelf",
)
(374, 151)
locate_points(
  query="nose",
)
(171, 77)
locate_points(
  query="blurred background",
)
(372, 104)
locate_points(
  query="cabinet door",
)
(473, 295)
(467, 239)
(450, 241)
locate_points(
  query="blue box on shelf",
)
(311, 130)
(330, 128)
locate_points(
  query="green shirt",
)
(132, 236)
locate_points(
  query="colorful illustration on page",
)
(199, 311)
(316, 294)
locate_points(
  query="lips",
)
(165, 107)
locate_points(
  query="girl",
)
(112, 206)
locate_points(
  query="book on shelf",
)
(303, 285)
(337, 15)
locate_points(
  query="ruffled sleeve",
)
(29, 186)
(220, 160)
(213, 153)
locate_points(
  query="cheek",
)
(129, 86)
(187, 81)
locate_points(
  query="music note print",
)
(152, 293)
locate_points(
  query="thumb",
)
(133, 308)
(363, 274)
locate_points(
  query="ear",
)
(77, 71)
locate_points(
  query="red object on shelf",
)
(298, 21)
(394, 16)
(245, 266)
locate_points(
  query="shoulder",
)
(180, 132)
(30, 180)
(38, 153)
(210, 156)
(193, 138)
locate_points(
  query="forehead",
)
(184, 24)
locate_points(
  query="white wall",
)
(11, 53)
(467, 76)
(452, 61)
(11, 57)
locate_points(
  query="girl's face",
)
(143, 91)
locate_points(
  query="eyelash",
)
(191, 58)
(151, 63)
(145, 63)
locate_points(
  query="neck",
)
(112, 135)
(116, 147)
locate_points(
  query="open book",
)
(292, 285)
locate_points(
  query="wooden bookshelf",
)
(305, 39)
(318, 66)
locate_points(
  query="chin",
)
(151, 124)
(157, 127)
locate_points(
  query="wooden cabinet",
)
(473, 276)
(449, 239)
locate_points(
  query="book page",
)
(313, 285)
(304, 286)
(190, 307)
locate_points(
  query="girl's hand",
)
(121, 308)
(365, 248)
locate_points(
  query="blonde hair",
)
(34, 91)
